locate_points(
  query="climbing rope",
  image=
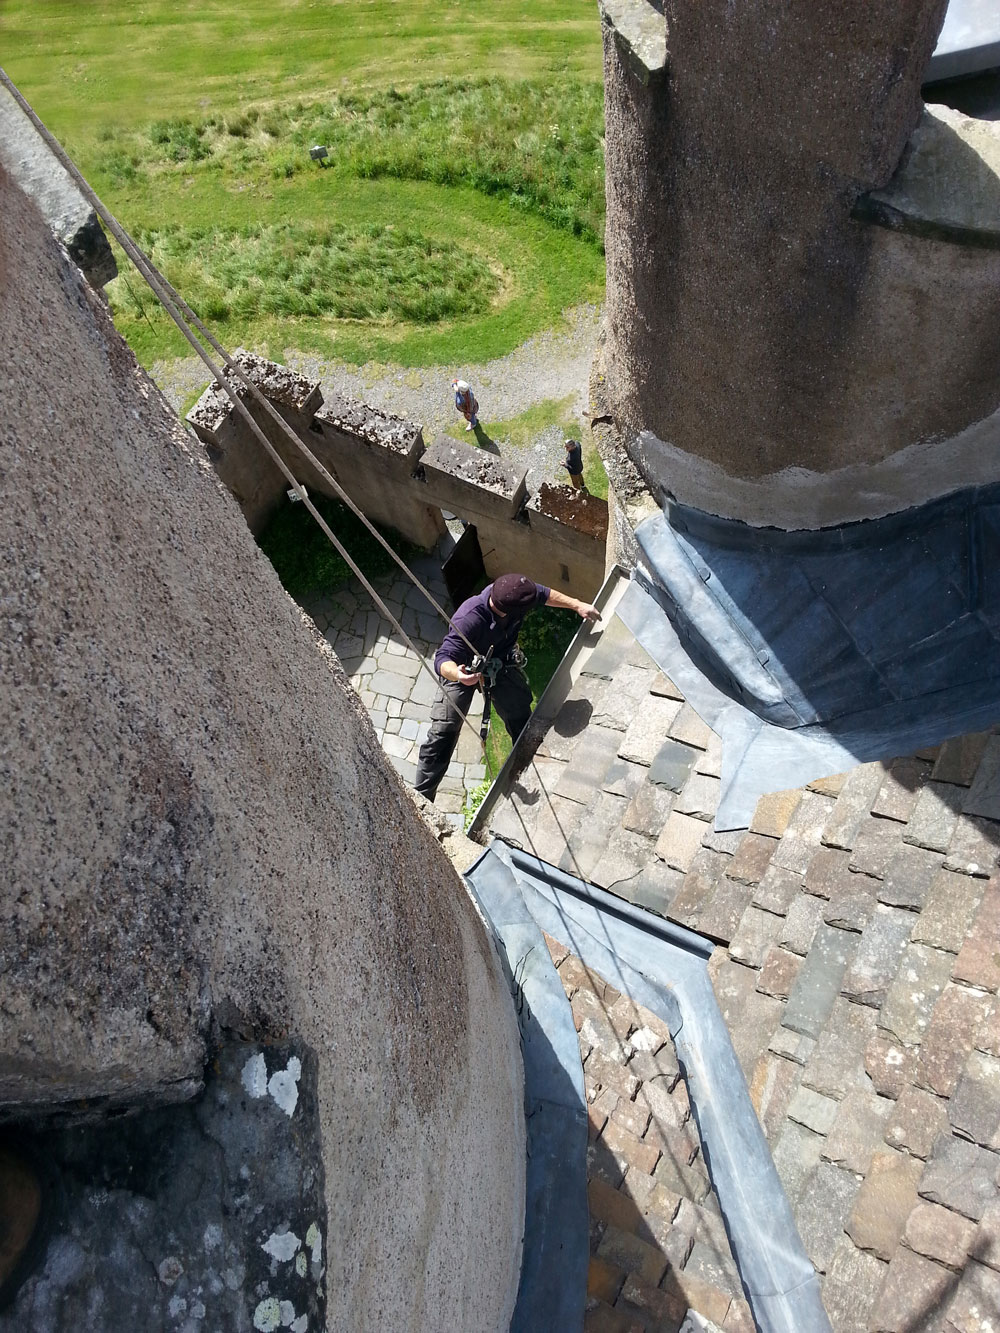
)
(187, 321)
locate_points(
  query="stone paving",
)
(858, 966)
(392, 685)
(657, 1244)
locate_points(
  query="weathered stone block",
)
(629, 1254)
(824, 1207)
(802, 836)
(978, 962)
(593, 754)
(885, 1200)
(756, 933)
(672, 765)
(986, 1243)
(906, 1011)
(853, 1281)
(637, 1154)
(917, 1119)
(908, 876)
(751, 860)
(792, 1046)
(974, 1306)
(913, 1295)
(705, 871)
(972, 850)
(948, 911)
(621, 862)
(772, 1086)
(777, 889)
(959, 758)
(680, 1169)
(688, 727)
(938, 1233)
(778, 973)
(648, 810)
(774, 811)
(984, 794)
(974, 1109)
(750, 1017)
(827, 870)
(819, 981)
(838, 1062)
(876, 960)
(858, 1130)
(900, 788)
(723, 913)
(932, 822)
(888, 1065)
(853, 805)
(960, 1176)
(656, 887)
(813, 1110)
(680, 841)
(875, 846)
(949, 1038)
(805, 916)
(852, 903)
(796, 1157)
(648, 730)
(700, 797)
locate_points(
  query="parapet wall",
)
(556, 535)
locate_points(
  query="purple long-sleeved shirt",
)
(476, 620)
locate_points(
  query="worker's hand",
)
(465, 677)
(588, 612)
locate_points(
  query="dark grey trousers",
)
(511, 696)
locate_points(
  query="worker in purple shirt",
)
(490, 623)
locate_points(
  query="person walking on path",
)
(491, 622)
(466, 403)
(574, 464)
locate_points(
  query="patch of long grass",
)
(539, 145)
(373, 272)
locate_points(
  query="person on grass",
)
(490, 622)
(466, 403)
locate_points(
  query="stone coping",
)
(641, 34)
(948, 183)
(279, 384)
(587, 514)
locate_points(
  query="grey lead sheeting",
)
(758, 757)
(553, 1288)
(664, 968)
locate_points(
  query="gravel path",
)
(551, 365)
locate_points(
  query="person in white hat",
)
(466, 402)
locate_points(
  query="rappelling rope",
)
(174, 305)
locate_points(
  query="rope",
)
(174, 305)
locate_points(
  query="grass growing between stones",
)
(545, 637)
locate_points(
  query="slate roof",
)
(657, 1241)
(858, 965)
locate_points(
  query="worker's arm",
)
(457, 674)
(583, 609)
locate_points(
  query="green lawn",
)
(462, 209)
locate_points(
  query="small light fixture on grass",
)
(318, 152)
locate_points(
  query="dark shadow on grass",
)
(483, 440)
